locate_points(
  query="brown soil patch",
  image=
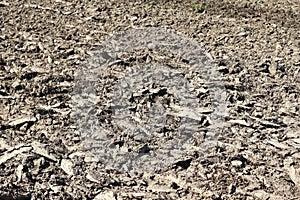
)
(256, 47)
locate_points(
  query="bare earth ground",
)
(254, 44)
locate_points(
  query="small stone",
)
(236, 163)
(67, 166)
(108, 195)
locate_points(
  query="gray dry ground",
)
(255, 45)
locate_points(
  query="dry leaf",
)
(21, 121)
(240, 122)
(38, 149)
(294, 175)
(10, 155)
(278, 144)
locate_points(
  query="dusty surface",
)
(255, 46)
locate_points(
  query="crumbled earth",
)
(255, 46)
